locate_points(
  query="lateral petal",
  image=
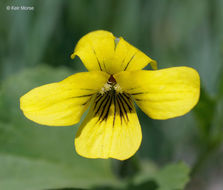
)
(110, 130)
(62, 103)
(162, 94)
(101, 50)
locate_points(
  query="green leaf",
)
(34, 157)
(173, 177)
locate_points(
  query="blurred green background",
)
(35, 47)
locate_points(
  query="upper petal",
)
(164, 93)
(110, 130)
(100, 50)
(62, 103)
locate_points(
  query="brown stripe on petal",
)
(99, 64)
(121, 104)
(129, 61)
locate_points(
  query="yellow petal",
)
(100, 50)
(110, 130)
(62, 103)
(128, 58)
(162, 94)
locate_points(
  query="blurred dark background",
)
(35, 49)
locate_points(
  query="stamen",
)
(111, 86)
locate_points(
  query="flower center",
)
(112, 101)
(111, 86)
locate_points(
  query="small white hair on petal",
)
(105, 88)
(118, 88)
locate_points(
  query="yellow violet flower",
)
(114, 81)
